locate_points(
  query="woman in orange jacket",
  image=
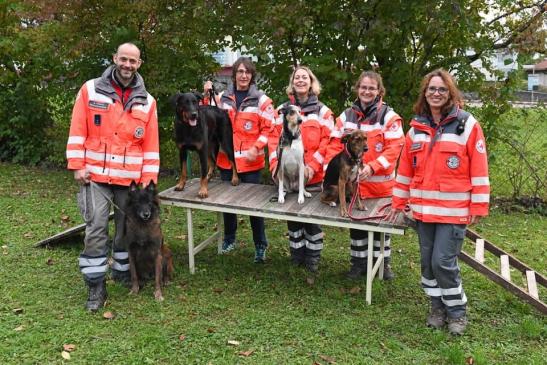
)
(306, 239)
(385, 139)
(443, 177)
(251, 113)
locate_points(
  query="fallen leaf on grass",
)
(218, 290)
(69, 347)
(211, 330)
(328, 359)
(65, 218)
(20, 328)
(28, 235)
(181, 237)
(233, 342)
(65, 355)
(182, 337)
(108, 315)
(310, 280)
(245, 353)
(17, 311)
(470, 360)
(50, 261)
(355, 290)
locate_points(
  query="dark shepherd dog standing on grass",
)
(149, 257)
(204, 129)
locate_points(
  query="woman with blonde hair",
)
(305, 239)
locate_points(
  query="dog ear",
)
(133, 186)
(198, 95)
(151, 186)
(174, 99)
(345, 138)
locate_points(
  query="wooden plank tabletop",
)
(262, 200)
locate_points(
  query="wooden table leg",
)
(191, 263)
(220, 224)
(369, 267)
(381, 256)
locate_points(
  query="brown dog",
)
(340, 179)
(149, 257)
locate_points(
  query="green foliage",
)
(49, 49)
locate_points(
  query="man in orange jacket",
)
(113, 141)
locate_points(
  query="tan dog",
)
(340, 180)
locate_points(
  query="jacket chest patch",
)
(248, 125)
(98, 104)
(139, 132)
(453, 162)
(379, 147)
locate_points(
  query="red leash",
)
(373, 217)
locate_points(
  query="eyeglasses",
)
(243, 72)
(432, 90)
(368, 88)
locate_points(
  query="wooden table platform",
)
(256, 200)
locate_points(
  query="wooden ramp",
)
(529, 294)
(69, 233)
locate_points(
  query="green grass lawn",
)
(270, 310)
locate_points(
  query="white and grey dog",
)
(289, 174)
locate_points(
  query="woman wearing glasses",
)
(385, 138)
(443, 176)
(251, 113)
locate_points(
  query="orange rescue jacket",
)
(116, 142)
(317, 125)
(385, 139)
(443, 171)
(251, 127)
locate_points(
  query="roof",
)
(542, 66)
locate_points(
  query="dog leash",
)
(352, 203)
(97, 188)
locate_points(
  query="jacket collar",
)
(103, 85)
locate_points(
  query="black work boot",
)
(96, 296)
(312, 263)
(122, 277)
(358, 268)
(388, 274)
(297, 256)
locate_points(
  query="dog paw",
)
(203, 194)
(158, 296)
(235, 182)
(332, 204)
(281, 199)
(301, 199)
(134, 290)
(307, 194)
(343, 213)
(179, 187)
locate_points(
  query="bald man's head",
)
(127, 60)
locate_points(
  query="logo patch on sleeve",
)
(480, 146)
(139, 132)
(98, 104)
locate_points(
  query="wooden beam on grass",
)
(69, 233)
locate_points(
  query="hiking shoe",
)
(260, 254)
(227, 247)
(121, 277)
(356, 272)
(388, 273)
(456, 326)
(312, 264)
(96, 296)
(436, 318)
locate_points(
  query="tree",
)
(402, 39)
